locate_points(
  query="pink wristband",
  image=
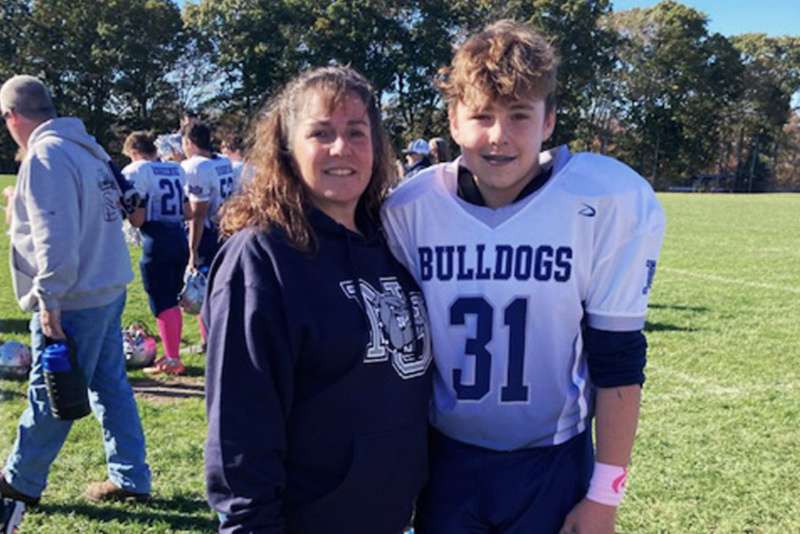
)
(608, 484)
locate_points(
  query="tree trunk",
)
(754, 154)
(655, 159)
(775, 143)
(739, 150)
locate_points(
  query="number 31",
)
(514, 318)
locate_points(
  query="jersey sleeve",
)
(627, 248)
(198, 187)
(139, 179)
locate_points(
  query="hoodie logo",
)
(110, 191)
(396, 332)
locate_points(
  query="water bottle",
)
(66, 386)
(11, 513)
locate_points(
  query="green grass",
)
(718, 444)
(717, 449)
(174, 433)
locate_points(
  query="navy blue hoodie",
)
(317, 383)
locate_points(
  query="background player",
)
(209, 181)
(536, 269)
(232, 147)
(165, 250)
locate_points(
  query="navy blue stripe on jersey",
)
(615, 358)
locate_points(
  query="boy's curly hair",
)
(506, 61)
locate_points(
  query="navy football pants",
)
(165, 253)
(473, 490)
(208, 247)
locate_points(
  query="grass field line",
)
(703, 387)
(726, 280)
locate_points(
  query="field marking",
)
(703, 387)
(736, 281)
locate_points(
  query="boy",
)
(209, 182)
(536, 269)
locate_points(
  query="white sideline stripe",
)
(737, 281)
(707, 388)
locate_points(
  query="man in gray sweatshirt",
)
(70, 266)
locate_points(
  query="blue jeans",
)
(98, 337)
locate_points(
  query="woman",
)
(318, 355)
(165, 249)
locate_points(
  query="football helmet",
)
(139, 346)
(15, 360)
(168, 145)
(194, 287)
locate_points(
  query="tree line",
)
(652, 87)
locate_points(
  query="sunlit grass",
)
(717, 450)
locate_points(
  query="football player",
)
(233, 149)
(536, 268)
(165, 250)
(209, 181)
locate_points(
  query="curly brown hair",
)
(274, 196)
(504, 62)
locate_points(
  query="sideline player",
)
(536, 269)
(165, 250)
(209, 181)
(232, 148)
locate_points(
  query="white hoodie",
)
(68, 250)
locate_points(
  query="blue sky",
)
(733, 17)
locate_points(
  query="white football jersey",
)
(509, 290)
(209, 180)
(162, 182)
(237, 170)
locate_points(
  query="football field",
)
(718, 447)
